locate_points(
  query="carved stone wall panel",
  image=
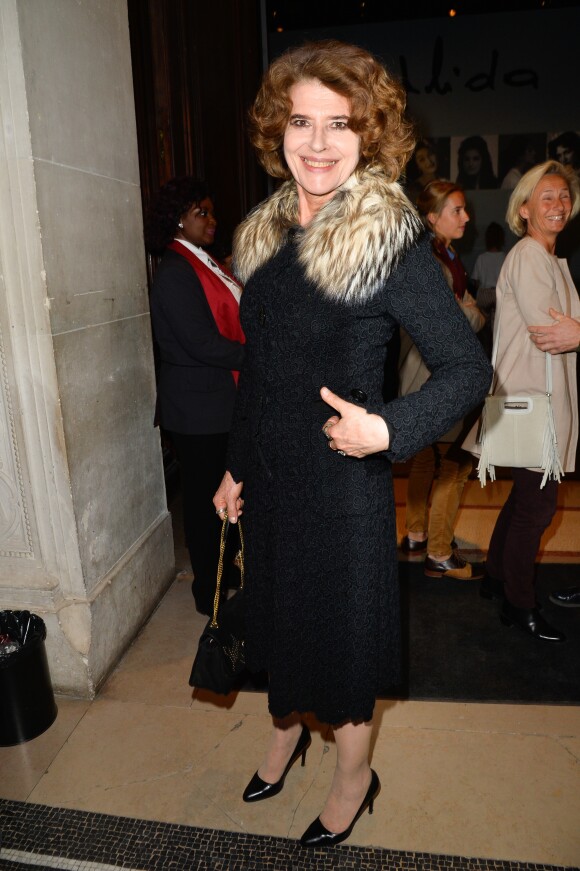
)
(15, 532)
(38, 552)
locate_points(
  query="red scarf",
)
(224, 306)
(454, 265)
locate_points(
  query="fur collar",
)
(349, 248)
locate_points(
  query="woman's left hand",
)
(356, 433)
(558, 338)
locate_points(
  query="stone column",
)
(85, 535)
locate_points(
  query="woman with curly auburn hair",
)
(195, 317)
(334, 261)
(377, 104)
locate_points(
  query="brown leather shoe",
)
(409, 546)
(454, 567)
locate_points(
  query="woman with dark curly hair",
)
(475, 171)
(422, 168)
(195, 315)
(334, 260)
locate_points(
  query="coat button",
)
(358, 395)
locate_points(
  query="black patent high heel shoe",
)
(257, 789)
(316, 835)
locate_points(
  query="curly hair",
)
(433, 197)
(173, 200)
(377, 102)
(413, 172)
(526, 187)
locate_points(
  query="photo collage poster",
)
(487, 161)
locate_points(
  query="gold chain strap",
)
(220, 568)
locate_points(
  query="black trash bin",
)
(27, 706)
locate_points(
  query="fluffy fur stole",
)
(349, 248)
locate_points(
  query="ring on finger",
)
(342, 453)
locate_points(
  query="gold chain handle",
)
(220, 568)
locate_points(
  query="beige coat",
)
(413, 372)
(531, 281)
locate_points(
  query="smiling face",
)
(547, 211)
(450, 223)
(199, 224)
(320, 149)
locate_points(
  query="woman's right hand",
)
(229, 498)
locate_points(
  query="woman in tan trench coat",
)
(533, 281)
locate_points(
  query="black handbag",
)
(220, 655)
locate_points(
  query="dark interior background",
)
(491, 68)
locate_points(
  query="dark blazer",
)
(196, 388)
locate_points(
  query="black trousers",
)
(202, 464)
(515, 541)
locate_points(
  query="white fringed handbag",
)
(519, 431)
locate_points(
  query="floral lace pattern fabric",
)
(322, 586)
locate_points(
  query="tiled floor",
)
(43, 838)
(481, 780)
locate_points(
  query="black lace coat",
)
(322, 585)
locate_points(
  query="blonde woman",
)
(534, 284)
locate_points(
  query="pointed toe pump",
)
(257, 789)
(316, 835)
